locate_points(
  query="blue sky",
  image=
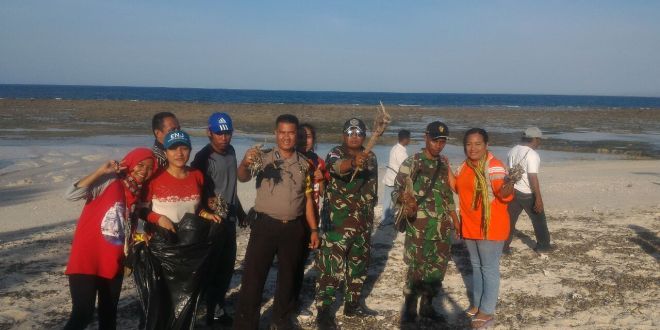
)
(546, 47)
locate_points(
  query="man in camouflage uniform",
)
(347, 217)
(428, 211)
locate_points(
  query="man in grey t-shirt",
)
(217, 160)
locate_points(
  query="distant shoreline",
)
(634, 133)
(255, 96)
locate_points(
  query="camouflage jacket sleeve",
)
(333, 161)
(402, 179)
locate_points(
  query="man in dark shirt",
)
(161, 124)
(217, 160)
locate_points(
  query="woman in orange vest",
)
(483, 193)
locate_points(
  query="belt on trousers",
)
(267, 217)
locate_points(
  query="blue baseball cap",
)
(176, 138)
(220, 122)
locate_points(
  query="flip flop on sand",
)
(478, 323)
(469, 314)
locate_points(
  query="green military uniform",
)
(427, 244)
(347, 218)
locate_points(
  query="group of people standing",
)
(490, 202)
(302, 203)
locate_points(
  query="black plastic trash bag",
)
(170, 271)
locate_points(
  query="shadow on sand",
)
(647, 240)
(21, 194)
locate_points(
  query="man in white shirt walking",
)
(397, 155)
(528, 190)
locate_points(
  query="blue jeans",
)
(388, 211)
(485, 259)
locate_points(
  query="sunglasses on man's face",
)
(355, 131)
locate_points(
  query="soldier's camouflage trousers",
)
(427, 263)
(343, 255)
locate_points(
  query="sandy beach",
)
(603, 216)
(81, 83)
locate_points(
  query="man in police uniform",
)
(284, 200)
(421, 188)
(348, 215)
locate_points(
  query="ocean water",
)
(324, 97)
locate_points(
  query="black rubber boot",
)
(325, 319)
(210, 315)
(426, 309)
(223, 319)
(288, 324)
(358, 309)
(409, 313)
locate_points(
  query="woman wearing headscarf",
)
(100, 242)
(483, 193)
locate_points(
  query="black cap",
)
(437, 130)
(354, 123)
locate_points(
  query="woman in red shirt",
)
(178, 189)
(174, 194)
(483, 193)
(97, 253)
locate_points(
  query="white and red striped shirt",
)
(174, 197)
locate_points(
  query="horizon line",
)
(330, 91)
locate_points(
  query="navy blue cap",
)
(176, 138)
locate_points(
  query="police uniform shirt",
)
(282, 185)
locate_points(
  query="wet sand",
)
(66, 118)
